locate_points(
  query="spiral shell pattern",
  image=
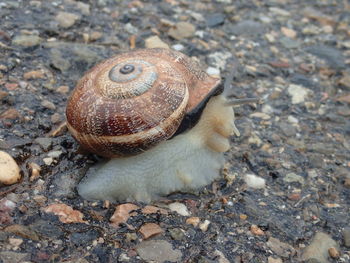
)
(131, 102)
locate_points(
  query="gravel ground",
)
(295, 55)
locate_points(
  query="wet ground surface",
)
(294, 55)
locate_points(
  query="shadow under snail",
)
(161, 119)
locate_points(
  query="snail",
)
(163, 122)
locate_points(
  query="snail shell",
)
(131, 102)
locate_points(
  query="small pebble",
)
(27, 40)
(298, 93)
(150, 229)
(9, 170)
(63, 89)
(66, 19)
(178, 47)
(155, 42)
(333, 252)
(48, 104)
(204, 226)
(179, 208)
(254, 181)
(35, 171)
(193, 221)
(256, 230)
(213, 71)
(182, 30)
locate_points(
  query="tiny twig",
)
(302, 199)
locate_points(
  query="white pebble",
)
(213, 71)
(292, 119)
(298, 93)
(267, 109)
(254, 181)
(178, 47)
(48, 160)
(179, 208)
(9, 170)
(204, 226)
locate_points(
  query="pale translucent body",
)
(188, 161)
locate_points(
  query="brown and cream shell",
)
(131, 102)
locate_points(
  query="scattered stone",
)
(333, 252)
(260, 115)
(298, 93)
(213, 20)
(218, 59)
(255, 140)
(274, 260)
(176, 233)
(47, 229)
(131, 29)
(150, 229)
(56, 118)
(83, 238)
(35, 74)
(95, 35)
(66, 20)
(248, 28)
(58, 61)
(280, 248)
(9, 170)
(65, 213)
(45, 143)
(332, 56)
(13, 257)
(344, 98)
(159, 251)
(222, 258)
(22, 231)
(83, 7)
(178, 47)
(122, 213)
(182, 30)
(48, 105)
(293, 178)
(10, 114)
(15, 242)
(288, 32)
(243, 216)
(318, 248)
(193, 221)
(213, 71)
(48, 160)
(289, 43)
(346, 236)
(287, 129)
(254, 181)
(255, 230)
(150, 209)
(155, 42)
(314, 14)
(279, 11)
(27, 40)
(54, 154)
(6, 208)
(179, 208)
(63, 89)
(204, 226)
(345, 81)
(271, 38)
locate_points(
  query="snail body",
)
(130, 107)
